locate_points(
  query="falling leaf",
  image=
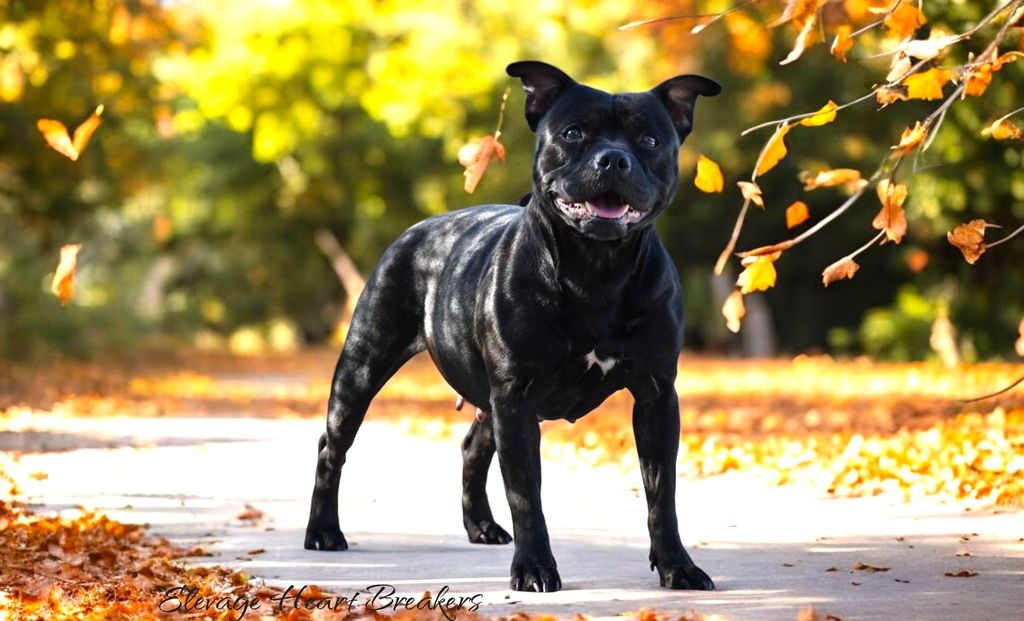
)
(1003, 129)
(842, 269)
(970, 239)
(917, 260)
(476, 155)
(56, 134)
(774, 150)
(251, 514)
(904, 20)
(891, 218)
(871, 568)
(751, 192)
(826, 115)
(759, 274)
(963, 573)
(1019, 345)
(829, 178)
(733, 310)
(797, 214)
(911, 138)
(709, 175)
(842, 43)
(63, 285)
(927, 84)
(808, 36)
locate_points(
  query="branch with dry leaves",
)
(917, 71)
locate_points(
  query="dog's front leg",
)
(656, 429)
(517, 439)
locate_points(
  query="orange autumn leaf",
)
(751, 192)
(824, 116)
(808, 36)
(774, 150)
(904, 20)
(733, 310)
(709, 175)
(797, 214)
(890, 94)
(842, 43)
(970, 239)
(799, 12)
(759, 273)
(927, 84)
(476, 155)
(911, 138)
(829, 178)
(56, 134)
(1003, 129)
(842, 269)
(63, 285)
(891, 218)
(978, 80)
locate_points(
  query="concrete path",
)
(771, 550)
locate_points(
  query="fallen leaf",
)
(832, 569)
(870, 568)
(963, 573)
(826, 115)
(797, 214)
(709, 176)
(759, 273)
(56, 134)
(910, 139)
(1003, 129)
(752, 192)
(842, 43)
(774, 150)
(834, 177)
(63, 285)
(256, 551)
(970, 239)
(891, 218)
(926, 84)
(733, 310)
(251, 514)
(904, 20)
(842, 269)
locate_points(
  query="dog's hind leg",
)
(477, 452)
(384, 334)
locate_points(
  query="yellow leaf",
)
(1003, 129)
(759, 274)
(891, 218)
(797, 214)
(842, 43)
(752, 192)
(826, 115)
(774, 150)
(911, 138)
(927, 84)
(829, 178)
(970, 239)
(733, 310)
(808, 36)
(63, 285)
(709, 176)
(842, 269)
(56, 134)
(904, 20)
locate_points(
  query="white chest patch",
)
(605, 365)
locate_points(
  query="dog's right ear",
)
(543, 84)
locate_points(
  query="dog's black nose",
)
(610, 159)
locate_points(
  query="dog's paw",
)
(688, 577)
(327, 539)
(487, 532)
(535, 578)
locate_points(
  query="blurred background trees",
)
(235, 132)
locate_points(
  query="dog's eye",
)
(573, 133)
(649, 141)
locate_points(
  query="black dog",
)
(538, 313)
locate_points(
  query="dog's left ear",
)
(543, 84)
(679, 96)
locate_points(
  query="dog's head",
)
(606, 164)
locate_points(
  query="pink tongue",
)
(605, 210)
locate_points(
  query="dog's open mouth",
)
(607, 206)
